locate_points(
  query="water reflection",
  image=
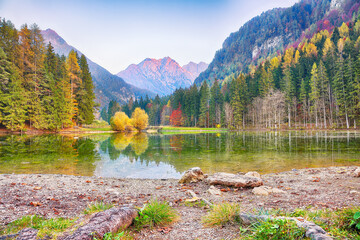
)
(165, 156)
(48, 154)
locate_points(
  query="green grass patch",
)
(274, 230)
(121, 235)
(96, 129)
(97, 207)
(172, 129)
(47, 227)
(155, 213)
(199, 204)
(221, 214)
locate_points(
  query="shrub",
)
(121, 122)
(277, 229)
(155, 213)
(220, 214)
(139, 119)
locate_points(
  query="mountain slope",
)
(161, 76)
(195, 68)
(107, 86)
(273, 31)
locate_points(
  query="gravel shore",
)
(67, 196)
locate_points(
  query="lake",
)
(168, 156)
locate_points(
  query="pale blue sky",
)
(118, 33)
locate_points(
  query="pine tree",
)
(238, 100)
(340, 90)
(86, 102)
(216, 103)
(204, 105)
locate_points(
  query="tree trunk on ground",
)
(103, 222)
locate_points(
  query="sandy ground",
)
(67, 196)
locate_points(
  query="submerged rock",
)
(234, 180)
(192, 175)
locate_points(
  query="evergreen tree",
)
(204, 105)
(86, 102)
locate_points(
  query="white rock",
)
(266, 190)
(260, 191)
(357, 172)
(253, 174)
(214, 191)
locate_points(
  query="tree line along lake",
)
(168, 156)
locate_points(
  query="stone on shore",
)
(234, 180)
(357, 172)
(265, 190)
(214, 191)
(253, 174)
(192, 175)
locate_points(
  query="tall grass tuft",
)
(155, 213)
(97, 207)
(221, 214)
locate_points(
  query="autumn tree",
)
(176, 117)
(139, 119)
(121, 122)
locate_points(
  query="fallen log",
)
(234, 180)
(110, 220)
(313, 231)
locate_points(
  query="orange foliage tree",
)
(176, 117)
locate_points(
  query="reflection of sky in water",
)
(122, 167)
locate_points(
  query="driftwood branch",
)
(313, 231)
(103, 222)
(203, 199)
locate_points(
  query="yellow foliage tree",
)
(139, 119)
(121, 122)
(344, 30)
(328, 47)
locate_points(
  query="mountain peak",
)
(52, 36)
(162, 76)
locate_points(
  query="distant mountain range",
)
(162, 76)
(107, 86)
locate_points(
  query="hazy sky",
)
(118, 33)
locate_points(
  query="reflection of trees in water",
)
(213, 151)
(47, 154)
(121, 141)
(139, 143)
(119, 144)
(177, 142)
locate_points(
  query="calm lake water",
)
(168, 156)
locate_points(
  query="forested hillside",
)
(270, 33)
(313, 84)
(108, 87)
(38, 88)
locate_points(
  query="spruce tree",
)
(204, 105)
(86, 102)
